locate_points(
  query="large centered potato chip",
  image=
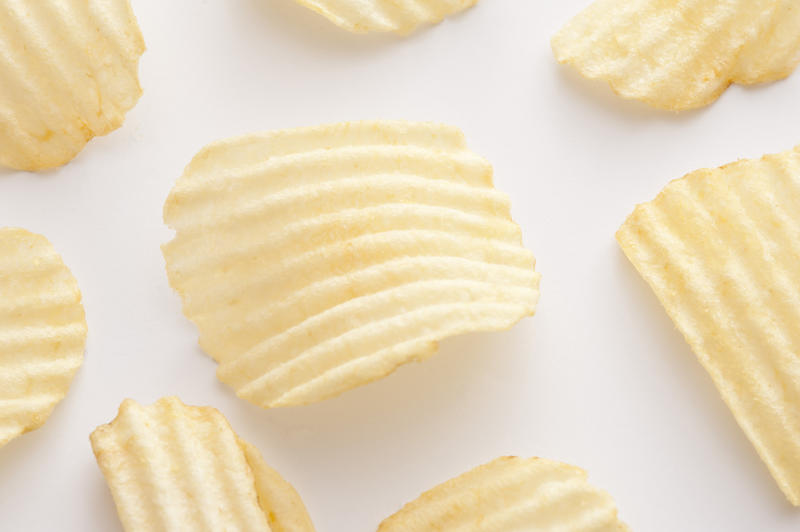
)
(679, 55)
(69, 72)
(721, 250)
(316, 260)
(42, 331)
(399, 16)
(173, 467)
(508, 495)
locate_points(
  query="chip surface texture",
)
(319, 259)
(69, 72)
(721, 250)
(676, 54)
(172, 467)
(511, 494)
(42, 331)
(399, 16)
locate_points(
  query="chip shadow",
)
(99, 502)
(599, 93)
(470, 384)
(470, 391)
(697, 388)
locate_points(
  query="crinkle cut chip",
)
(316, 260)
(173, 467)
(721, 248)
(42, 331)
(511, 494)
(69, 72)
(399, 16)
(681, 55)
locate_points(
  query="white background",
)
(598, 378)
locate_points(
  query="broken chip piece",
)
(319, 259)
(172, 467)
(721, 248)
(511, 494)
(399, 16)
(70, 73)
(681, 55)
(42, 331)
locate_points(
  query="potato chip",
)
(399, 16)
(511, 494)
(42, 331)
(681, 55)
(721, 250)
(69, 71)
(173, 467)
(315, 260)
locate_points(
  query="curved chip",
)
(399, 16)
(42, 331)
(315, 260)
(69, 72)
(721, 249)
(172, 467)
(680, 55)
(511, 494)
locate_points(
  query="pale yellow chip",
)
(721, 250)
(399, 16)
(42, 331)
(173, 467)
(69, 71)
(680, 55)
(511, 494)
(316, 260)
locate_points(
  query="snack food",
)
(511, 494)
(680, 55)
(399, 16)
(42, 331)
(721, 249)
(315, 260)
(70, 73)
(172, 467)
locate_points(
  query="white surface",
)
(598, 378)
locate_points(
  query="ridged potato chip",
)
(680, 55)
(399, 16)
(172, 467)
(42, 331)
(511, 494)
(315, 260)
(721, 250)
(69, 71)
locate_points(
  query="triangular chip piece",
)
(721, 250)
